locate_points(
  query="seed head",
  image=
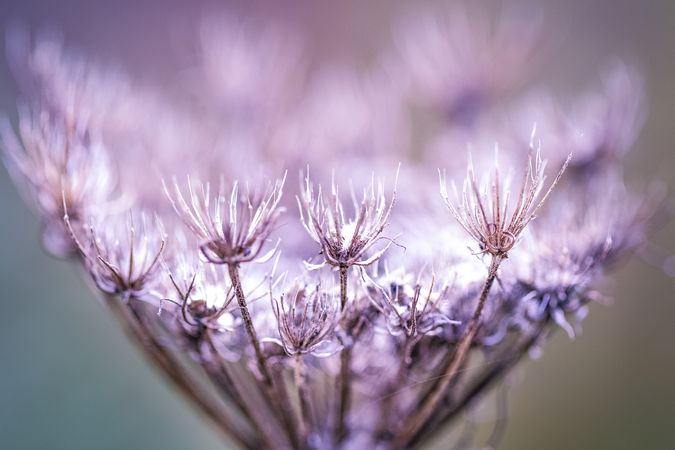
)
(345, 243)
(483, 211)
(408, 307)
(122, 256)
(60, 168)
(236, 227)
(306, 318)
(204, 294)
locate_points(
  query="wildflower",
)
(386, 361)
(306, 318)
(258, 72)
(122, 256)
(484, 215)
(204, 297)
(237, 236)
(484, 211)
(407, 309)
(346, 243)
(60, 168)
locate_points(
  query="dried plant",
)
(392, 331)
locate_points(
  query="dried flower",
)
(122, 256)
(345, 243)
(407, 309)
(459, 60)
(483, 211)
(306, 318)
(241, 235)
(59, 166)
(383, 360)
(203, 297)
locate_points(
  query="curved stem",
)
(503, 365)
(136, 327)
(268, 382)
(423, 412)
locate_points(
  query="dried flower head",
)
(122, 256)
(58, 166)
(483, 211)
(236, 227)
(306, 317)
(345, 243)
(408, 307)
(203, 293)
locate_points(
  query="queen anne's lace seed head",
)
(203, 292)
(484, 211)
(233, 228)
(461, 60)
(346, 242)
(58, 166)
(410, 309)
(307, 316)
(122, 255)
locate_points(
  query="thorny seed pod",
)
(233, 230)
(345, 243)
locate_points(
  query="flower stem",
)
(388, 405)
(268, 383)
(505, 363)
(343, 287)
(345, 366)
(136, 327)
(248, 323)
(423, 412)
(305, 415)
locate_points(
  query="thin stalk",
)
(158, 354)
(343, 287)
(495, 373)
(224, 381)
(233, 270)
(268, 383)
(345, 366)
(387, 410)
(423, 412)
(305, 415)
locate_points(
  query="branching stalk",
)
(480, 386)
(345, 366)
(416, 421)
(157, 353)
(305, 419)
(268, 383)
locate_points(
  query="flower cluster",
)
(374, 344)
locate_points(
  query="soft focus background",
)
(69, 379)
